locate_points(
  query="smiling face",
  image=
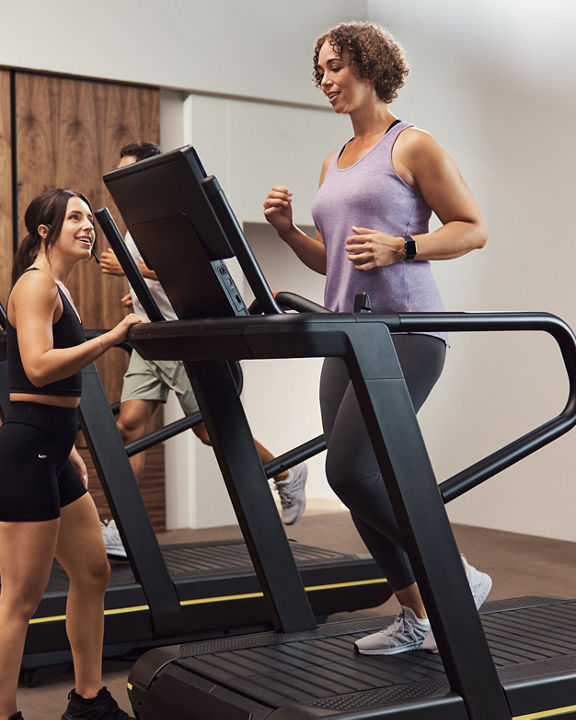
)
(77, 234)
(340, 82)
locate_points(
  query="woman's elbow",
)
(482, 240)
(37, 377)
(37, 381)
(480, 235)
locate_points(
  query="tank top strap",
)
(385, 145)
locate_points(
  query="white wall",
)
(250, 48)
(281, 397)
(494, 82)
(251, 146)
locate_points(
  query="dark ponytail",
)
(48, 208)
(25, 255)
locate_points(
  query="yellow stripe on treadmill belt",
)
(221, 598)
(112, 611)
(354, 583)
(547, 714)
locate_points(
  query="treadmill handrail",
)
(91, 333)
(287, 460)
(292, 301)
(128, 264)
(528, 443)
(511, 453)
(155, 437)
(295, 456)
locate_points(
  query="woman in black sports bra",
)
(45, 509)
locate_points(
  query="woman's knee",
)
(362, 489)
(343, 477)
(99, 574)
(92, 577)
(21, 603)
(347, 468)
(29, 604)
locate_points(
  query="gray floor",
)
(519, 564)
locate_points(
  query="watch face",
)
(409, 248)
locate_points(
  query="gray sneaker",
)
(406, 633)
(480, 583)
(292, 492)
(113, 541)
(480, 586)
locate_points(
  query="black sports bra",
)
(67, 332)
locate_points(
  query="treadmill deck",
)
(318, 674)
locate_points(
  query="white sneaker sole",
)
(392, 651)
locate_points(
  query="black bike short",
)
(36, 475)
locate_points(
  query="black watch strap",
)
(410, 249)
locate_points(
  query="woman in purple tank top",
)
(371, 212)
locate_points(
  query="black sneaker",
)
(16, 716)
(102, 707)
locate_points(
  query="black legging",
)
(351, 465)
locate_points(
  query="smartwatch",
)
(410, 249)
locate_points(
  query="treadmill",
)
(177, 592)
(516, 659)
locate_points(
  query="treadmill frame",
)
(365, 344)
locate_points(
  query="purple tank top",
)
(371, 194)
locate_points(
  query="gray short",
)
(150, 380)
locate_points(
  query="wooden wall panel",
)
(6, 231)
(68, 134)
(151, 485)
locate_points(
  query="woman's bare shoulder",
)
(36, 279)
(414, 139)
(35, 287)
(325, 165)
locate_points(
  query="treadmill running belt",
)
(532, 640)
(205, 559)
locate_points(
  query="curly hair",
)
(373, 51)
